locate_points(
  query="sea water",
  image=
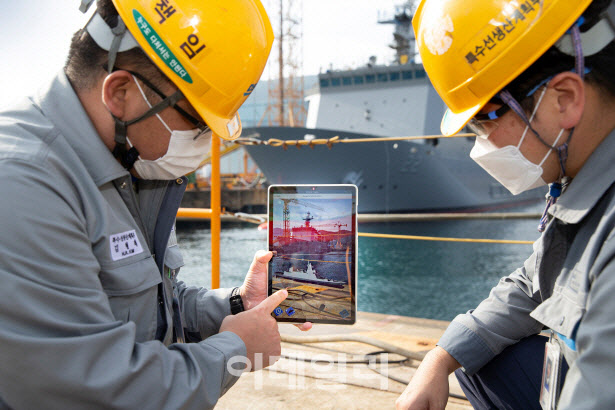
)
(426, 279)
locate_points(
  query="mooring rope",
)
(275, 142)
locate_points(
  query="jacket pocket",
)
(560, 313)
(131, 278)
(132, 290)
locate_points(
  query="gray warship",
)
(397, 99)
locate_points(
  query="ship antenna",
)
(404, 41)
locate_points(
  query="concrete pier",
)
(342, 374)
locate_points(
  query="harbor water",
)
(425, 279)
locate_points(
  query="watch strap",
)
(236, 302)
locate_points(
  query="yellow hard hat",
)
(472, 51)
(213, 51)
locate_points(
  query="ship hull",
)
(330, 284)
(392, 177)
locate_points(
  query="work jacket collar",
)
(62, 106)
(588, 186)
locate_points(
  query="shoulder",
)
(31, 168)
(25, 133)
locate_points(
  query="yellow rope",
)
(206, 214)
(274, 142)
(431, 238)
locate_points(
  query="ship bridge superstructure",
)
(385, 100)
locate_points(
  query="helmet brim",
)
(452, 122)
(225, 128)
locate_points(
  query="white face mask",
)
(184, 155)
(508, 165)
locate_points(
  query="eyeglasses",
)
(492, 115)
(484, 124)
(190, 118)
(204, 128)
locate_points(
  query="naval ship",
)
(397, 99)
(308, 276)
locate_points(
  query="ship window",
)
(394, 76)
(324, 82)
(370, 78)
(406, 75)
(383, 78)
(420, 74)
(359, 79)
(335, 82)
(347, 80)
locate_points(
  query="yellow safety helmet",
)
(471, 50)
(213, 51)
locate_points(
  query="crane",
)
(338, 225)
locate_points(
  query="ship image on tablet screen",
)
(312, 232)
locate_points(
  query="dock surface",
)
(343, 373)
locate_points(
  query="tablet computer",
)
(312, 232)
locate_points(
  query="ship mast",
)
(404, 41)
(285, 106)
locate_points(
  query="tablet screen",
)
(313, 234)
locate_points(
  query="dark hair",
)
(86, 61)
(554, 61)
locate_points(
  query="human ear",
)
(570, 98)
(115, 92)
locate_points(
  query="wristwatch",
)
(236, 302)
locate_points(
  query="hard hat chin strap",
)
(128, 157)
(579, 67)
(556, 188)
(579, 57)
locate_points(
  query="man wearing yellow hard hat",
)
(91, 176)
(534, 80)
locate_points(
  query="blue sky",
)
(35, 36)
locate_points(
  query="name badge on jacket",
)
(124, 245)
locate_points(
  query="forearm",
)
(108, 369)
(203, 309)
(429, 387)
(501, 320)
(438, 358)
